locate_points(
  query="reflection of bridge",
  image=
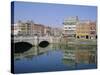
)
(36, 40)
(34, 51)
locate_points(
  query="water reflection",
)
(56, 57)
(74, 55)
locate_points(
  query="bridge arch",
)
(43, 44)
(21, 46)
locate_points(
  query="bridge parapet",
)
(36, 40)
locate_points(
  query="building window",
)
(92, 32)
(87, 36)
(96, 36)
(65, 27)
(78, 37)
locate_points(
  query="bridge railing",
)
(34, 40)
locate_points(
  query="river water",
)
(56, 57)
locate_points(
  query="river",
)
(56, 57)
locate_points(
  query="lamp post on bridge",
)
(36, 39)
(36, 42)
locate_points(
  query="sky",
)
(52, 14)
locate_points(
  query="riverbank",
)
(82, 42)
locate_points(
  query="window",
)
(78, 37)
(92, 32)
(69, 27)
(87, 36)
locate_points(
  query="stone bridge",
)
(34, 40)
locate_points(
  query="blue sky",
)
(51, 14)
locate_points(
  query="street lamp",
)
(36, 39)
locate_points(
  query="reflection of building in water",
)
(69, 57)
(79, 56)
(85, 56)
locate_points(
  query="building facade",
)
(25, 28)
(70, 26)
(86, 30)
(14, 29)
(93, 30)
(38, 29)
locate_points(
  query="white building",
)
(70, 26)
(15, 29)
(25, 28)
